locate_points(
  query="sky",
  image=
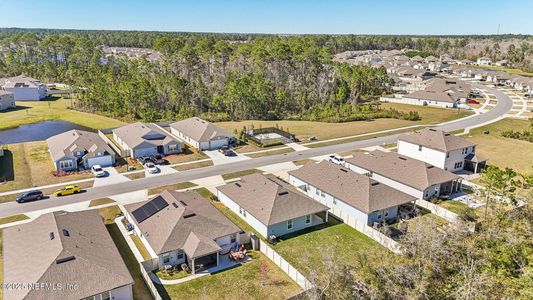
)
(276, 16)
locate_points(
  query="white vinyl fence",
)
(447, 215)
(293, 273)
(372, 233)
(102, 133)
(145, 268)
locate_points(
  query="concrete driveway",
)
(112, 177)
(163, 170)
(219, 158)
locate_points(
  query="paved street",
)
(504, 105)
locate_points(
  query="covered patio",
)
(475, 163)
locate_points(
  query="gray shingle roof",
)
(170, 228)
(436, 139)
(400, 168)
(92, 260)
(357, 190)
(139, 135)
(67, 143)
(201, 130)
(270, 200)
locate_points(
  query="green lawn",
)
(171, 274)
(14, 218)
(268, 153)
(28, 112)
(140, 290)
(109, 213)
(501, 151)
(322, 130)
(100, 201)
(453, 206)
(335, 241)
(1, 261)
(178, 186)
(240, 174)
(137, 175)
(256, 279)
(359, 138)
(201, 164)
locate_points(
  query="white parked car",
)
(98, 171)
(151, 167)
(337, 159)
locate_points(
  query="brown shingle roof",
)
(201, 130)
(92, 260)
(270, 200)
(66, 143)
(187, 212)
(436, 139)
(400, 168)
(357, 190)
(144, 135)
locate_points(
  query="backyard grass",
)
(358, 138)
(239, 174)
(453, 206)
(268, 153)
(197, 165)
(204, 192)
(29, 112)
(140, 290)
(29, 164)
(500, 151)
(171, 274)
(233, 217)
(101, 201)
(109, 213)
(1, 261)
(14, 218)
(256, 279)
(322, 130)
(140, 246)
(177, 186)
(335, 241)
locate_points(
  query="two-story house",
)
(441, 149)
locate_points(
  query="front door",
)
(161, 149)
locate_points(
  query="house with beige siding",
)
(357, 195)
(69, 255)
(7, 100)
(271, 206)
(201, 134)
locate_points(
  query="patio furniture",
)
(185, 268)
(237, 255)
(168, 267)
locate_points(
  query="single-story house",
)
(271, 206)
(441, 149)
(64, 255)
(144, 139)
(7, 100)
(484, 61)
(182, 228)
(359, 196)
(202, 134)
(412, 176)
(76, 149)
(24, 88)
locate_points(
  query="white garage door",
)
(216, 144)
(104, 161)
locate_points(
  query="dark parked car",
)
(30, 196)
(226, 151)
(158, 159)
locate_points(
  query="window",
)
(242, 211)
(307, 219)
(180, 254)
(66, 164)
(233, 238)
(379, 215)
(173, 147)
(289, 224)
(419, 147)
(317, 192)
(106, 295)
(386, 212)
(474, 149)
(447, 154)
(166, 258)
(322, 194)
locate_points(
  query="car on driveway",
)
(151, 167)
(143, 159)
(337, 159)
(98, 171)
(30, 196)
(226, 151)
(158, 159)
(68, 190)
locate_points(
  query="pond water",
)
(37, 131)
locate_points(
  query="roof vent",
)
(184, 204)
(189, 215)
(237, 184)
(174, 204)
(52, 236)
(65, 259)
(446, 134)
(344, 170)
(65, 232)
(430, 167)
(431, 129)
(402, 158)
(374, 183)
(283, 193)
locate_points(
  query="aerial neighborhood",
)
(182, 165)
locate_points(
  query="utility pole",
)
(498, 32)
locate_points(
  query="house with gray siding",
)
(75, 149)
(271, 206)
(7, 100)
(69, 255)
(202, 134)
(145, 139)
(357, 195)
(412, 176)
(182, 228)
(24, 88)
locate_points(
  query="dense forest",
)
(216, 76)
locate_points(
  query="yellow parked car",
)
(68, 190)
